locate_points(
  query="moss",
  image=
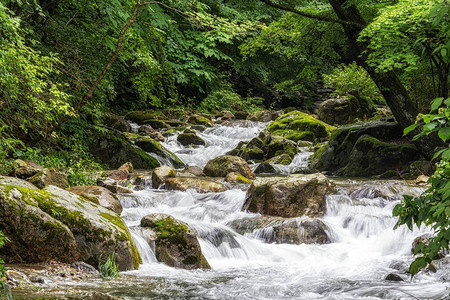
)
(242, 179)
(139, 116)
(119, 223)
(318, 153)
(299, 126)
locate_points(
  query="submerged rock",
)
(201, 185)
(292, 196)
(283, 231)
(222, 165)
(56, 224)
(176, 243)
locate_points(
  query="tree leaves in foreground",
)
(432, 208)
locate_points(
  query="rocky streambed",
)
(205, 227)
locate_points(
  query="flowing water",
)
(363, 250)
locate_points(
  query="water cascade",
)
(363, 246)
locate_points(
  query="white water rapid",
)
(364, 247)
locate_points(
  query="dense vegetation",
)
(66, 66)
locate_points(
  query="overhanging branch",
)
(310, 15)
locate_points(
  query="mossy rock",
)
(115, 149)
(50, 176)
(152, 146)
(222, 165)
(190, 139)
(140, 116)
(237, 178)
(279, 146)
(335, 156)
(200, 120)
(298, 125)
(156, 124)
(371, 156)
(253, 153)
(283, 159)
(176, 244)
(53, 213)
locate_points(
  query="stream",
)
(364, 247)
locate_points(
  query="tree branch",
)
(310, 15)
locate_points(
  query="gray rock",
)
(50, 176)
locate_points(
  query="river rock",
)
(241, 115)
(117, 122)
(128, 167)
(50, 176)
(367, 149)
(261, 116)
(292, 196)
(140, 116)
(98, 195)
(26, 168)
(114, 149)
(156, 123)
(297, 126)
(176, 243)
(146, 130)
(161, 174)
(234, 177)
(55, 224)
(192, 171)
(283, 159)
(222, 165)
(265, 168)
(199, 120)
(190, 139)
(153, 146)
(283, 231)
(118, 174)
(201, 185)
(343, 110)
(225, 115)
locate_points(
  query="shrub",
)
(227, 99)
(354, 80)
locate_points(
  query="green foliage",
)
(353, 80)
(433, 206)
(8, 146)
(227, 99)
(4, 287)
(109, 269)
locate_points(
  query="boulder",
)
(192, 171)
(140, 116)
(128, 167)
(292, 196)
(236, 178)
(176, 243)
(283, 231)
(283, 159)
(156, 124)
(241, 115)
(371, 156)
(385, 146)
(200, 185)
(190, 139)
(297, 126)
(114, 150)
(50, 176)
(117, 123)
(222, 165)
(98, 195)
(343, 110)
(261, 116)
(279, 146)
(161, 174)
(200, 120)
(146, 130)
(55, 224)
(153, 146)
(265, 168)
(225, 115)
(118, 174)
(26, 169)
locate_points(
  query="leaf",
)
(436, 103)
(417, 265)
(430, 126)
(410, 128)
(444, 133)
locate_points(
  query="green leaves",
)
(433, 206)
